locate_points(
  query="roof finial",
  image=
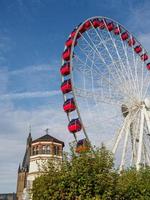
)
(47, 130)
(30, 128)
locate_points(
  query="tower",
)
(38, 152)
(43, 149)
(23, 169)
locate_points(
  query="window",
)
(56, 150)
(48, 149)
(37, 150)
(43, 149)
(33, 151)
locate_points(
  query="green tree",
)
(85, 176)
(134, 185)
(91, 176)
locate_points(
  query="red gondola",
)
(101, 24)
(110, 26)
(87, 25)
(131, 42)
(74, 32)
(144, 57)
(65, 69)
(69, 42)
(148, 66)
(96, 23)
(74, 125)
(66, 86)
(138, 49)
(82, 146)
(66, 54)
(117, 30)
(69, 105)
(124, 36)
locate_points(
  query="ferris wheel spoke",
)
(124, 69)
(119, 73)
(100, 77)
(88, 94)
(97, 71)
(102, 57)
(128, 68)
(135, 70)
(146, 84)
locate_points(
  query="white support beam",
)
(124, 148)
(147, 119)
(119, 136)
(139, 154)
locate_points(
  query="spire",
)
(29, 128)
(29, 139)
(25, 163)
(19, 168)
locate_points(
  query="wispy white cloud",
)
(31, 69)
(25, 95)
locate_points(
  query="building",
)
(8, 196)
(37, 154)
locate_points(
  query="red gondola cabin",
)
(66, 54)
(66, 86)
(148, 66)
(69, 42)
(138, 49)
(87, 25)
(124, 36)
(96, 23)
(74, 125)
(144, 57)
(110, 26)
(69, 105)
(131, 42)
(117, 30)
(82, 146)
(65, 69)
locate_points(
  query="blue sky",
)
(32, 36)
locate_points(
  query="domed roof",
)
(48, 138)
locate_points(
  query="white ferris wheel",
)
(106, 90)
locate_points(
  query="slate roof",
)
(48, 138)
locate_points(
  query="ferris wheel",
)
(106, 89)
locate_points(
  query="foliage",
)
(134, 184)
(91, 176)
